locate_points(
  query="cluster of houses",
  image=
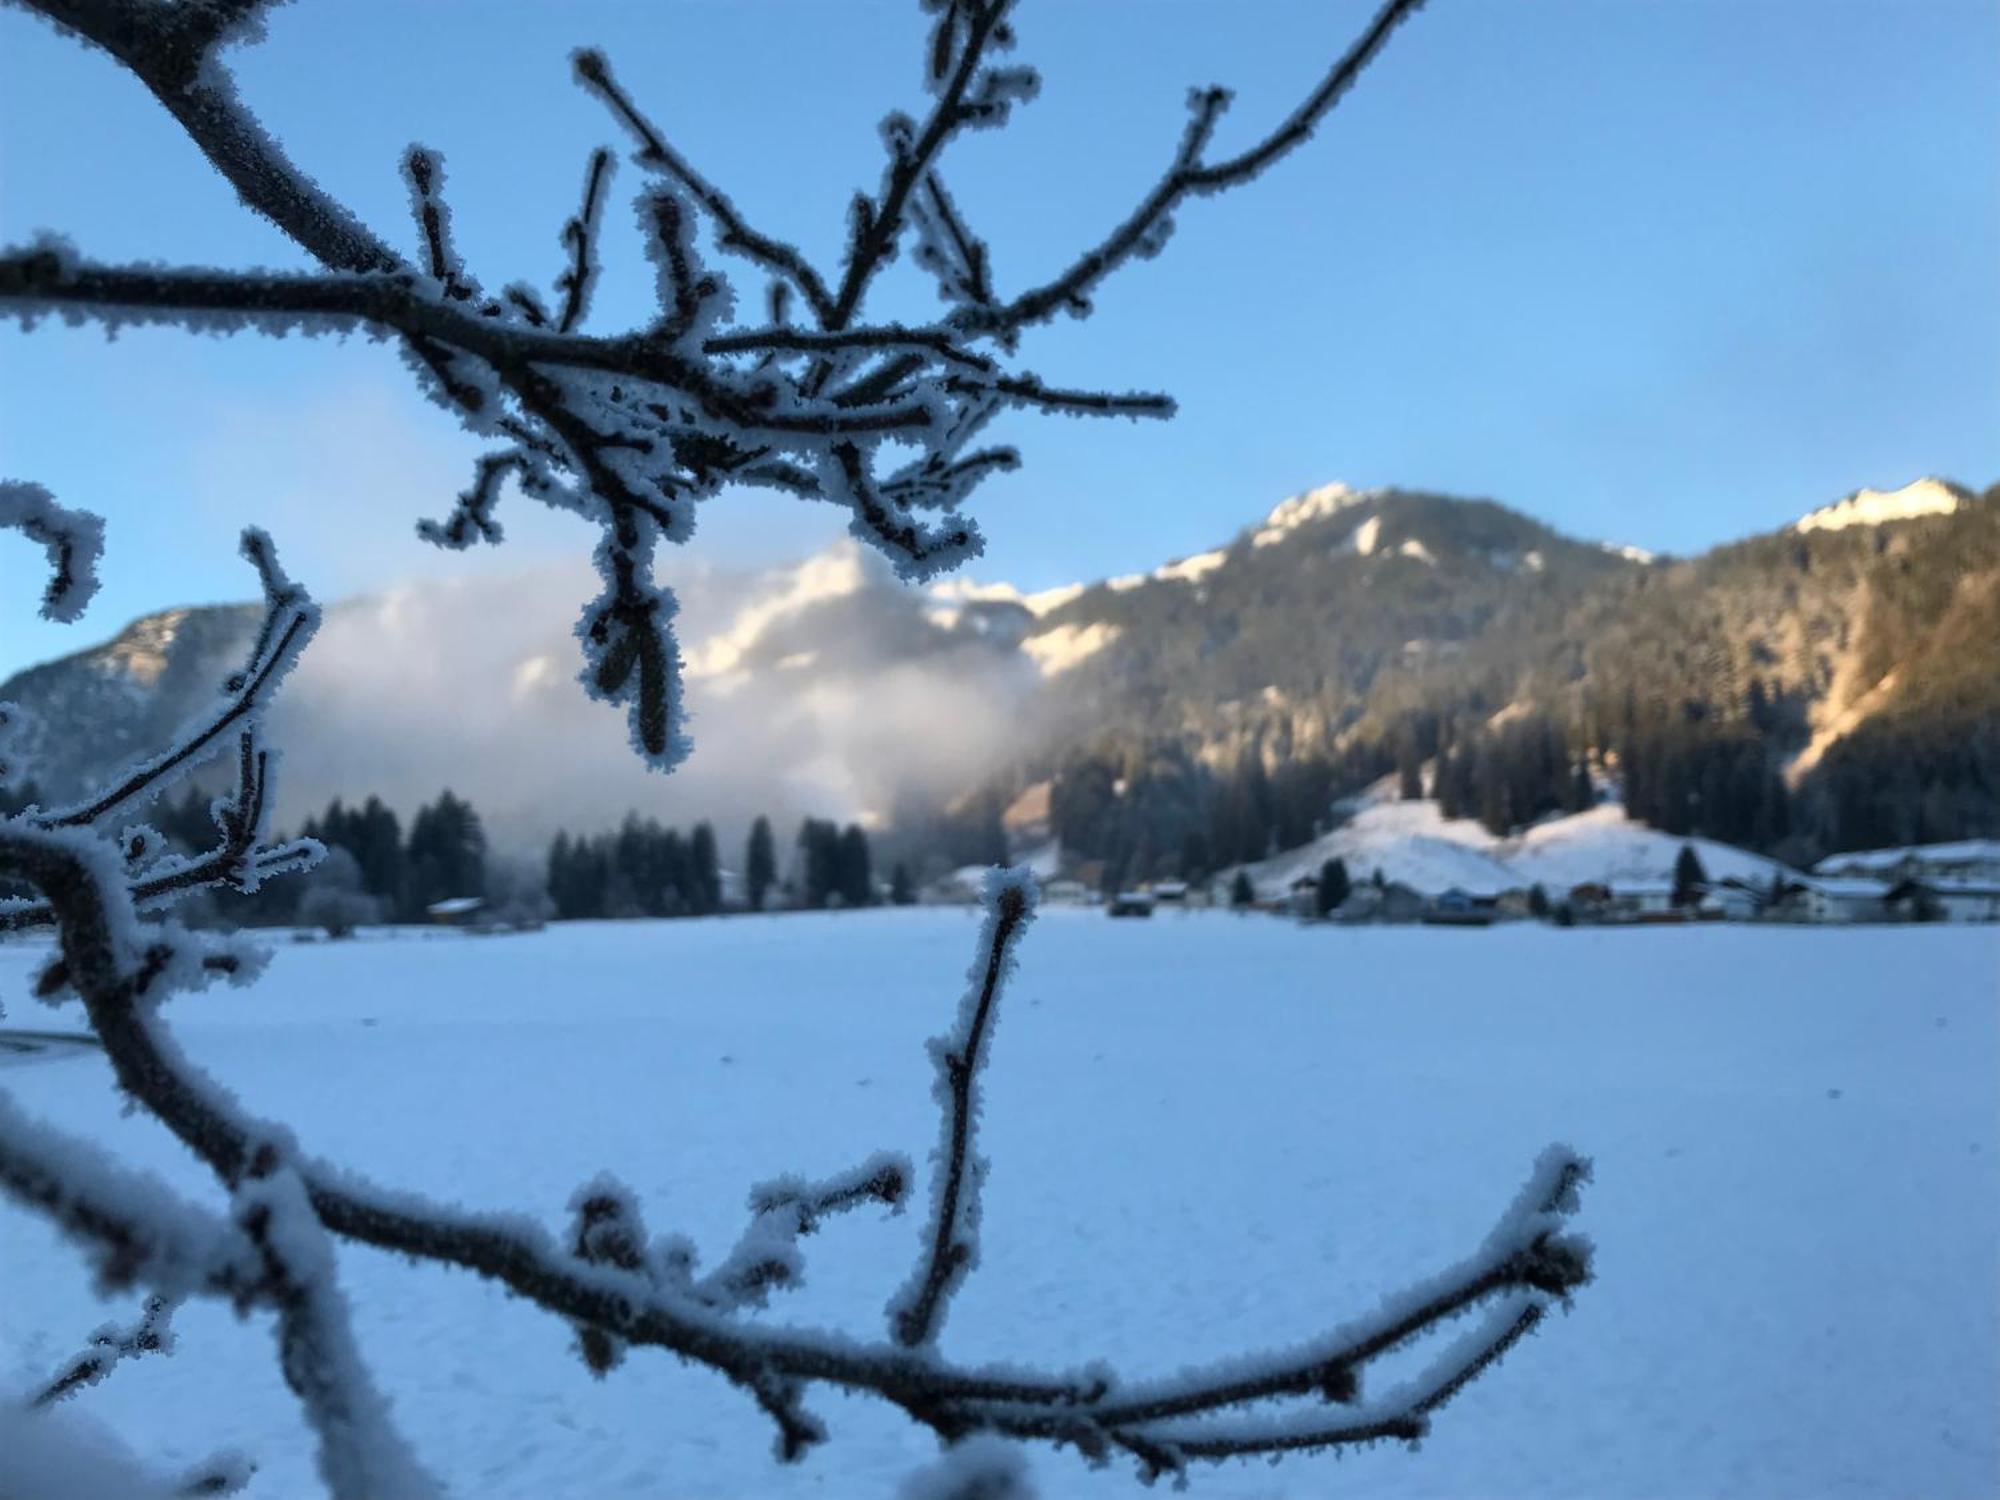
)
(1928, 883)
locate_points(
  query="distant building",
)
(456, 911)
(1066, 892)
(1973, 860)
(1170, 892)
(949, 890)
(1642, 901)
(1303, 896)
(1944, 901)
(1731, 903)
(1459, 908)
(1833, 899)
(1589, 901)
(1131, 904)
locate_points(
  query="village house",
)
(1064, 891)
(1461, 908)
(1641, 901)
(1832, 899)
(1944, 901)
(1973, 860)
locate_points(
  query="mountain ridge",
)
(1339, 622)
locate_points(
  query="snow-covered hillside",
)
(1924, 497)
(1414, 843)
(1208, 1136)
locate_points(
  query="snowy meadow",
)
(1209, 1134)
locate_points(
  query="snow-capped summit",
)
(1924, 497)
(1288, 515)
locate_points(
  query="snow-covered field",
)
(1209, 1134)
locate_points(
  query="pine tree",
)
(760, 863)
(1690, 879)
(1242, 893)
(901, 891)
(1334, 887)
(855, 879)
(705, 869)
(1582, 795)
(819, 856)
(447, 855)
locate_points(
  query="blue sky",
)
(1665, 273)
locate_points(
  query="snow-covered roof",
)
(455, 906)
(1948, 887)
(1846, 885)
(1960, 852)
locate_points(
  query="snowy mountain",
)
(1321, 630)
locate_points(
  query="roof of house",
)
(1849, 885)
(1963, 851)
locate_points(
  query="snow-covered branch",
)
(951, 1240)
(73, 539)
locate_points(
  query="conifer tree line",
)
(1163, 813)
(643, 869)
(390, 874)
(384, 873)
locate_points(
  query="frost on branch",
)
(73, 539)
(634, 430)
(951, 1239)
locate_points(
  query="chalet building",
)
(1944, 901)
(1303, 896)
(1731, 902)
(1459, 908)
(1976, 861)
(1833, 899)
(1642, 901)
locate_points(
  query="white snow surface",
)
(1414, 843)
(1865, 507)
(1209, 1135)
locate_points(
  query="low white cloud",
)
(821, 689)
